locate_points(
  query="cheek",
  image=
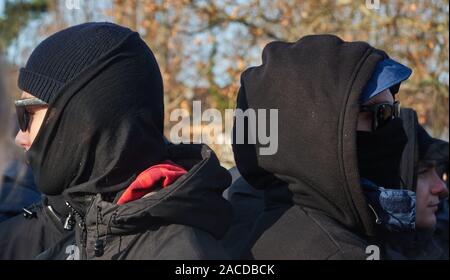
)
(422, 192)
(36, 123)
(364, 122)
(425, 220)
(425, 217)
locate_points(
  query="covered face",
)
(381, 137)
(104, 123)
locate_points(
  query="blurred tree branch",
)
(16, 16)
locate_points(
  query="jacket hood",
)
(315, 83)
(101, 123)
(410, 157)
(195, 199)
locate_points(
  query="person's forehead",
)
(26, 95)
(427, 163)
(384, 96)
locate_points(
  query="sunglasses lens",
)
(23, 118)
(384, 114)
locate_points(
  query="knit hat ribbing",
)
(62, 56)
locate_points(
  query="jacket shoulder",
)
(25, 238)
(301, 234)
(176, 242)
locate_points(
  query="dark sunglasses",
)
(382, 113)
(23, 115)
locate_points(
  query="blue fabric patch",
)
(387, 74)
(395, 208)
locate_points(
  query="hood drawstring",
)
(99, 247)
(377, 219)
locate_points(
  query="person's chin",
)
(427, 224)
(431, 222)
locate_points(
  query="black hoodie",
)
(315, 207)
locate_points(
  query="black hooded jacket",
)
(26, 235)
(315, 207)
(181, 221)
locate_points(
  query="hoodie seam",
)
(339, 249)
(342, 162)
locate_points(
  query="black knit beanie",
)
(62, 56)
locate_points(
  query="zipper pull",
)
(69, 223)
(99, 248)
(28, 214)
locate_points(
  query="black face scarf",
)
(380, 153)
(105, 126)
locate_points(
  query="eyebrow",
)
(427, 164)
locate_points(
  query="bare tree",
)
(203, 46)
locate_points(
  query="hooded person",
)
(424, 161)
(432, 197)
(17, 189)
(325, 187)
(100, 157)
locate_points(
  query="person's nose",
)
(23, 139)
(439, 188)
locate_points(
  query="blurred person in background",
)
(432, 215)
(423, 167)
(4, 118)
(17, 188)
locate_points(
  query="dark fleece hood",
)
(315, 83)
(104, 128)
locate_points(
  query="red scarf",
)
(166, 173)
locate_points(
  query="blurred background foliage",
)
(203, 46)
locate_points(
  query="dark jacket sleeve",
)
(248, 204)
(17, 190)
(24, 238)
